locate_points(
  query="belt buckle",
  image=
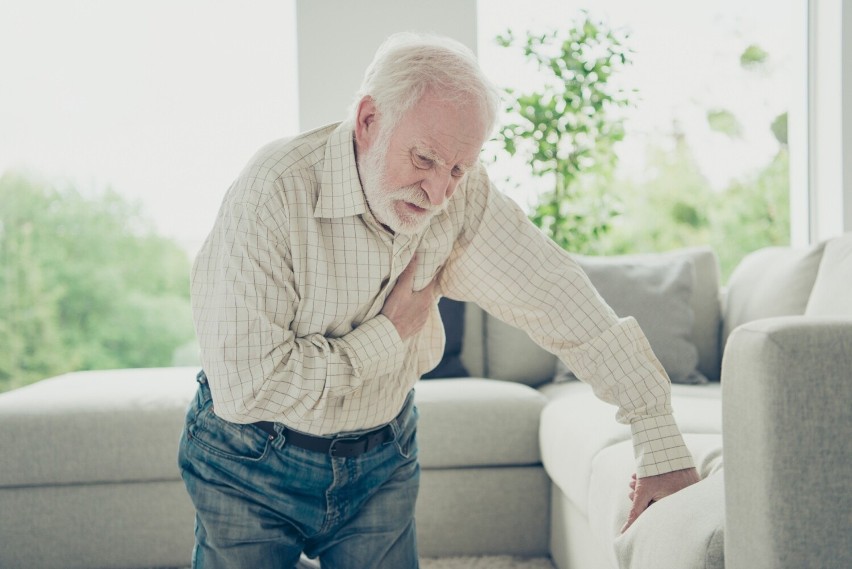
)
(343, 451)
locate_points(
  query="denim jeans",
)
(260, 503)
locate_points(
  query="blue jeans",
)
(260, 502)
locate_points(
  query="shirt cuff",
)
(658, 446)
(375, 348)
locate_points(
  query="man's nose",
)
(437, 184)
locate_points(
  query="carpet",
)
(487, 562)
(482, 562)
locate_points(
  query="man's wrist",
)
(375, 347)
(659, 446)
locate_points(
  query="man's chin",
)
(409, 227)
(409, 219)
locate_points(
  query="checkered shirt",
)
(288, 288)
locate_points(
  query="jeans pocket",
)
(231, 441)
(406, 434)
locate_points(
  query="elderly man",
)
(315, 303)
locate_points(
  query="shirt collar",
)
(340, 191)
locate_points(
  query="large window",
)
(121, 124)
(704, 156)
(160, 100)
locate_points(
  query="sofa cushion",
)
(576, 426)
(453, 318)
(657, 291)
(477, 422)
(832, 290)
(589, 457)
(95, 426)
(707, 309)
(511, 355)
(705, 302)
(682, 531)
(123, 425)
(770, 282)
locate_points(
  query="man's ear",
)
(366, 123)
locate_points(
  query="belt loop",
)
(204, 394)
(279, 440)
(399, 420)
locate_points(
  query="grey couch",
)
(513, 462)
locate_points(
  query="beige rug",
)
(484, 562)
(487, 562)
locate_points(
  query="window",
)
(121, 124)
(704, 158)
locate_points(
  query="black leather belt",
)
(341, 446)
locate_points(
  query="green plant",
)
(674, 205)
(567, 130)
(85, 283)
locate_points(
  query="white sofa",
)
(513, 463)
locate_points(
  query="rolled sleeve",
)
(511, 269)
(658, 446)
(374, 349)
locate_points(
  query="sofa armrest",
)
(786, 392)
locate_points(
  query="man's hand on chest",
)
(406, 308)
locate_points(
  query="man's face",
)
(410, 173)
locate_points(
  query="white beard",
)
(388, 205)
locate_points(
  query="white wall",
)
(337, 40)
(846, 96)
(830, 117)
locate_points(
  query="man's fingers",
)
(407, 309)
(407, 280)
(407, 275)
(641, 497)
(431, 289)
(646, 491)
(639, 506)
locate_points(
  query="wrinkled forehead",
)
(452, 132)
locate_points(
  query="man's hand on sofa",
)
(646, 491)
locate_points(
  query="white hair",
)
(408, 64)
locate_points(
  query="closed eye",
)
(422, 162)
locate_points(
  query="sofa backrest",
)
(784, 281)
(831, 294)
(497, 350)
(773, 281)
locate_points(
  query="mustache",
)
(416, 196)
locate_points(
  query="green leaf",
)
(753, 57)
(724, 121)
(779, 128)
(566, 131)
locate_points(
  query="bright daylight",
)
(235, 335)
